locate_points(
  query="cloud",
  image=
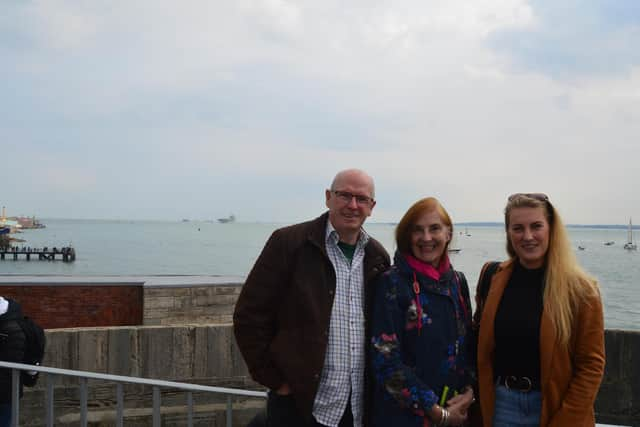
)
(575, 38)
(249, 106)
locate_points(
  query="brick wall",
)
(78, 305)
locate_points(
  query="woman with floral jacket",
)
(420, 327)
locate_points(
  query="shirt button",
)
(316, 376)
(330, 292)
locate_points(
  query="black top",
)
(517, 324)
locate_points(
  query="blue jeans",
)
(5, 414)
(516, 408)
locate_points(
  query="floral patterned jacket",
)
(418, 349)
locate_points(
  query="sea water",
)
(207, 248)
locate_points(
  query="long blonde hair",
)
(566, 283)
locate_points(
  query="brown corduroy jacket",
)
(570, 377)
(281, 319)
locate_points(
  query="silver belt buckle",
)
(515, 379)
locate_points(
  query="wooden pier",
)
(66, 254)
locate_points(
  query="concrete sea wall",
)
(618, 400)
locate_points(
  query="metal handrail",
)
(119, 380)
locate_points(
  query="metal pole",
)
(83, 402)
(120, 405)
(15, 397)
(229, 412)
(189, 409)
(156, 406)
(50, 380)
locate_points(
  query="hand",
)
(457, 415)
(458, 406)
(284, 390)
(464, 400)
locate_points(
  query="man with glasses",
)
(301, 320)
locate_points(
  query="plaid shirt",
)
(343, 371)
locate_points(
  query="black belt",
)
(523, 384)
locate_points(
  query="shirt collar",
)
(331, 236)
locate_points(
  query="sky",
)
(196, 109)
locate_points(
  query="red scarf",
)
(427, 269)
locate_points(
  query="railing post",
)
(156, 406)
(15, 399)
(189, 409)
(119, 405)
(229, 412)
(83, 402)
(50, 399)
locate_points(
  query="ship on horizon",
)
(230, 218)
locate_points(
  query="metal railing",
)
(119, 380)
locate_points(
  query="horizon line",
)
(215, 221)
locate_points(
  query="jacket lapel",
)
(498, 284)
(486, 340)
(547, 346)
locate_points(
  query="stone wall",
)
(199, 304)
(618, 401)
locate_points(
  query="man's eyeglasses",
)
(345, 196)
(537, 196)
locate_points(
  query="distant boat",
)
(454, 250)
(466, 232)
(630, 245)
(5, 230)
(609, 243)
(581, 248)
(230, 218)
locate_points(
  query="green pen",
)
(443, 397)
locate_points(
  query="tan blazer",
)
(570, 377)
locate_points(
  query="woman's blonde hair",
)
(566, 283)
